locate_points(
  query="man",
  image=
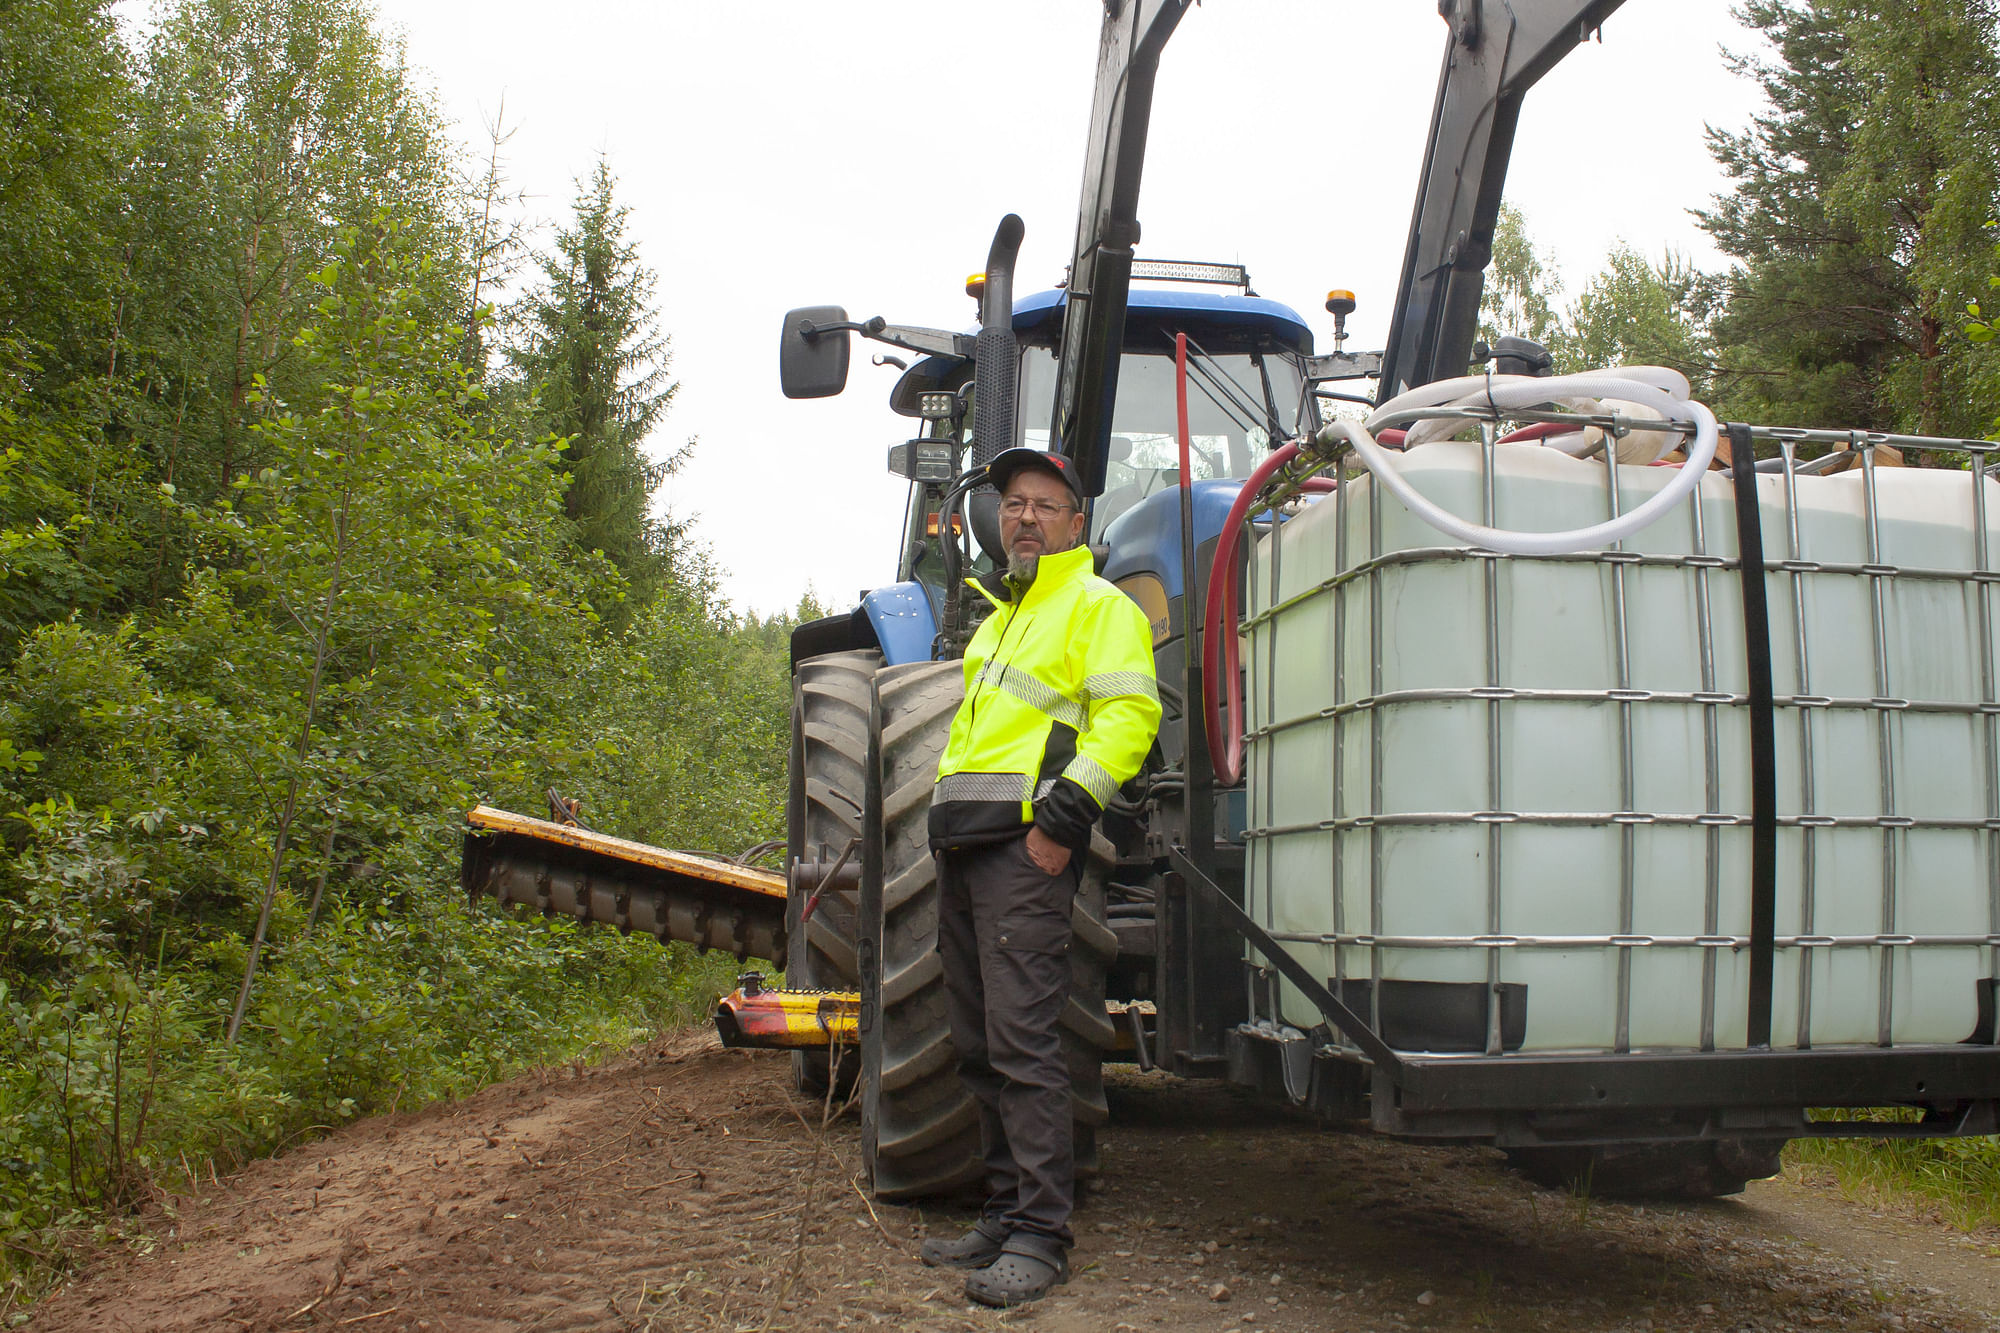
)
(1060, 709)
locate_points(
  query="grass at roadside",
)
(1958, 1178)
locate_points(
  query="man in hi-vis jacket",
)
(1060, 710)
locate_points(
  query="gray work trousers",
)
(1003, 931)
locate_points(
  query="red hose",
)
(1227, 761)
(1226, 753)
(1540, 430)
(1223, 574)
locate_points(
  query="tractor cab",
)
(1247, 387)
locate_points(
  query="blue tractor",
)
(876, 688)
(1195, 412)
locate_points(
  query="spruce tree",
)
(588, 348)
(1857, 212)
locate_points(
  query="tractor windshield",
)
(1238, 404)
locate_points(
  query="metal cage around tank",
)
(1460, 1050)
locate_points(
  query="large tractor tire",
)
(823, 813)
(920, 1126)
(1698, 1169)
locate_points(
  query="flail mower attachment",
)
(563, 870)
(751, 1015)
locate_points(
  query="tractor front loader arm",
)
(1496, 51)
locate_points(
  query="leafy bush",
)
(288, 581)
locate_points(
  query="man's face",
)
(1049, 520)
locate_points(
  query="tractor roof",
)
(1219, 322)
(1220, 313)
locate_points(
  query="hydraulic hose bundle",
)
(1437, 411)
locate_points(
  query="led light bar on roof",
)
(1179, 270)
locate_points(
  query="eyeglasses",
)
(1015, 507)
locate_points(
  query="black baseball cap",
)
(1002, 469)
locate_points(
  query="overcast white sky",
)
(786, 153)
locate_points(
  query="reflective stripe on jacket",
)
(1060, 710)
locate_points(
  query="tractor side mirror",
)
(812, 352)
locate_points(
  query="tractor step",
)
(562, 870)
(752, 1015)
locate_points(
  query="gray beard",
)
(1021, 570)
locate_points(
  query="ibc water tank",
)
(1528, 778)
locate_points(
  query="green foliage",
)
(63, 91)
(285, 586)
(1635, 312)
(1522, 286)
(1857, 215)
(587, 350)
(1959, 1177)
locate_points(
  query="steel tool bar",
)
(1338, 1015)
(1493, 56)
(1884, 738)
(1375, 848)
(1716, 819)
(1809, 860)
(1488, 437)
(1100, 272)
(1342, 534)
(1983, 595)
(1627, 833)
(1635, 941)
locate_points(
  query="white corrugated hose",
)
(1654, 390)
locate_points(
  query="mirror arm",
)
(931, 342)
(1342, 366)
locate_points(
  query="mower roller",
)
(563, 870)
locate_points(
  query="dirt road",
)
(683, 1187)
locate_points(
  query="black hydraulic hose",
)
(954, 568)
(947, 510)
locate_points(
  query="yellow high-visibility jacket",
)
(1061, 707)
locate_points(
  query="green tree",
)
(283, 589)
(589, 350)
(259, 133)
(1636, 312)
(1522, 286)
(1857, 211)
(366, 566)
(63, 90)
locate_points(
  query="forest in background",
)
(324, 514)
(1858, 230)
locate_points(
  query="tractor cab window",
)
(1238, 405)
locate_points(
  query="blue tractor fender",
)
(900, 615)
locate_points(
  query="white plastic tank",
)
(1535, 771)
